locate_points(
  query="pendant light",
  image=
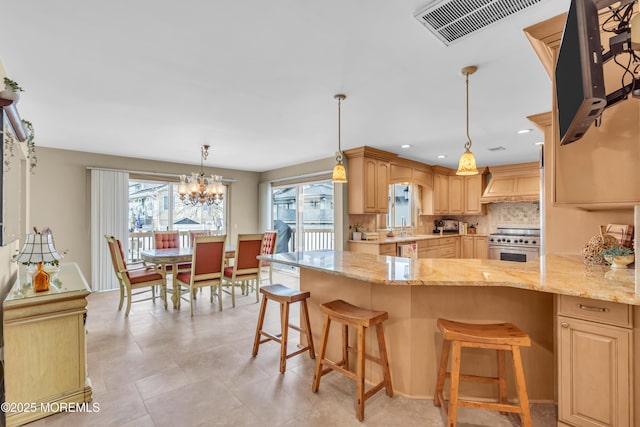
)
(339, 172)
(467, 163)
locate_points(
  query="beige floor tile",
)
(166, 368)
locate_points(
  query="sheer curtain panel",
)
(109, 215)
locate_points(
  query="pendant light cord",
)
(467, 144)
(339, 125)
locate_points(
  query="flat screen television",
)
(579, 75)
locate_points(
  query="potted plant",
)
(31, 145)
(618, 256)
(11, 90)
(357, 231)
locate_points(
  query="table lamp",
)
(38, 248)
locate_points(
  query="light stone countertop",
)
(413, 238)
(558, 274)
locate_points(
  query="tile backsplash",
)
(520, 214)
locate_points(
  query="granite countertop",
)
(416, 237)
(558, 274)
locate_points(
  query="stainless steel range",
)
(514, 244)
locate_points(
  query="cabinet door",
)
(473, 187)
(382, 186)
(370, 185)
(441, 193)
(456, 195)
(400, 174)
(387, 249)
(594, 367)
(467, 246)
(480, 247)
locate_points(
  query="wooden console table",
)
(45, 365)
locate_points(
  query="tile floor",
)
(164, 368)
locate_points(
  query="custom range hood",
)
(513, 183)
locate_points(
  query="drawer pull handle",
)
(590, 308)
(564, 324)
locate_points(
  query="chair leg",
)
(121, 297)
(211, 295)
(271, 274)
(233, 293)
(257, 289)
(521, 387)
(153, 294)
(220, 295)
(360, 373)
(382, 346)
(323, 348)
(455, 383)
(345, 345)
(129, 292)
(307, 329)
(163, 289)
(256, 341)
(284, 318)
(502, 378)
(191, 298)
(444, 359)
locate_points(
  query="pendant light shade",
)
(339, 172)
(467, 163)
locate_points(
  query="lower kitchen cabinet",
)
(373, 248)
(444, 247)
(595, 363)
(474, 247)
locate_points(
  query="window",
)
(156, 205)
(400, 205)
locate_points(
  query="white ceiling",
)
(255, 79)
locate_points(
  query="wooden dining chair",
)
(246, 269)
(207, 266)
(268, 248)
(135, 276)
(167, 240)
(196, 233)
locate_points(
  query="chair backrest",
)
(207, 262)
(166, 239)
(248, 248)
(269, 242)
(195, 233)
(117, 255)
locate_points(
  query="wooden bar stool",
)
(284, 296)
(501, 337)
(359, 318)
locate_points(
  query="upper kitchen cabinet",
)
(440, 193)
(473, 188)
(600, 170)
(456, 195)
(368, 180)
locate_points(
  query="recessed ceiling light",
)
(442, 156)
(521, 131)
(539, 143)
(405, 146)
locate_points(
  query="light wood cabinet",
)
(473, 188)
(595, 385)
(456, 195)
(44, 345)
(373, 248)
(368, 181)
(443, 247)
(474, 247)
(400, 174)
(440, 194)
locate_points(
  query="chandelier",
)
(196, 189)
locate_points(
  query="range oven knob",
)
(526, 241)
(533, 242)
(508, 240)
(491, 239)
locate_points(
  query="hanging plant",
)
(31, 145)
(8, 148)
(11, 90)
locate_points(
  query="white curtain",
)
(109, 215)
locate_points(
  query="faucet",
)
(402, 226)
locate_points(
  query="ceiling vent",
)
(453, 20)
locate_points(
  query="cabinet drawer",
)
(447, 251)
(600, 311)
(387, 249)
(447, 240)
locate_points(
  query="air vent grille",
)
(453, 20)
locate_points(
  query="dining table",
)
(173, 257)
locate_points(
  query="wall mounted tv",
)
(579, 74)
(580, 91)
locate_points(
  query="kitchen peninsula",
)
(531, 295)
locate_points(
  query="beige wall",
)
(61, 199)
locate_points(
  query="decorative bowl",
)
(620, 261)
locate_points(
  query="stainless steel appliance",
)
(514, 244)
